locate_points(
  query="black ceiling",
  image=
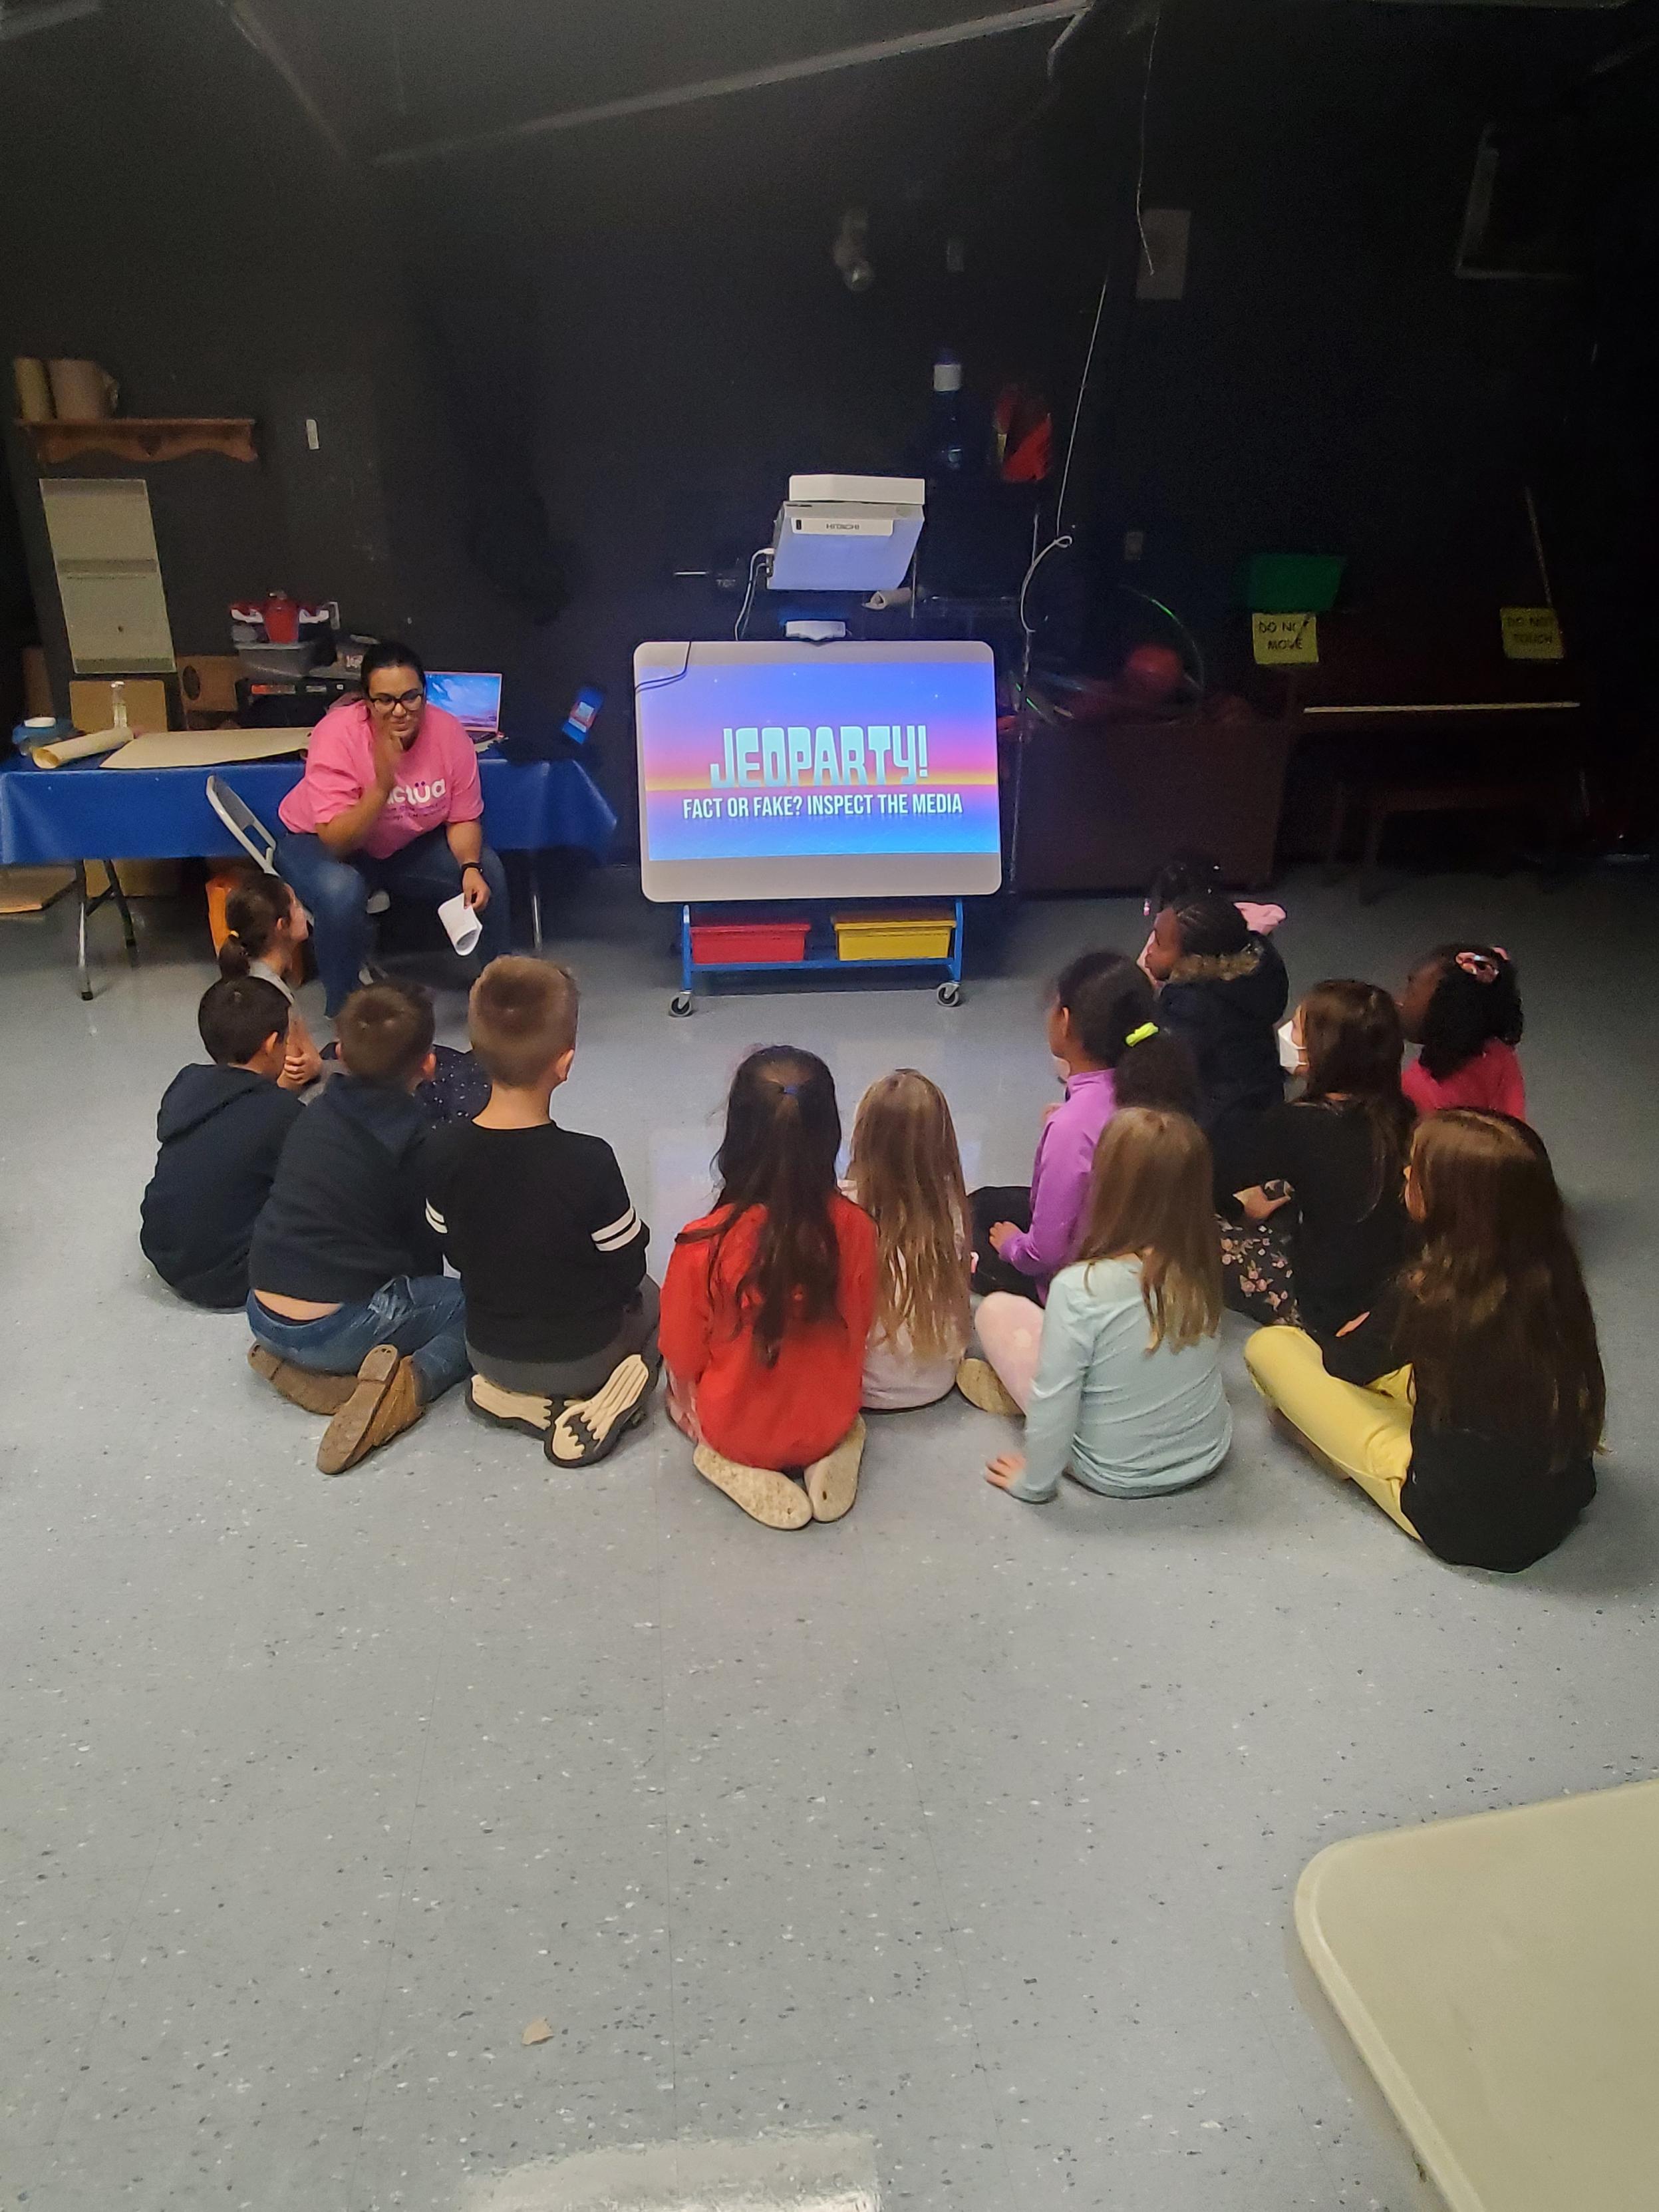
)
(400, 78)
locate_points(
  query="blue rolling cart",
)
(822, 956)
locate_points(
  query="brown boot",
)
(1287, 1428)
(384, 1401)
(317, 1393)
(832, 1482)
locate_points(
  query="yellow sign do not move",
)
(1279, 640)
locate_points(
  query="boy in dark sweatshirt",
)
(221, 1130)
(349, 1307)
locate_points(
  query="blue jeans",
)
(424, 1315)
(336, 892)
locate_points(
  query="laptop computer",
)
(474, 699)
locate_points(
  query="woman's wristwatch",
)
(472, 867)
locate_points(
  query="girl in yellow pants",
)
(1363, 1434)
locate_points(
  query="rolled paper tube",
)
(33, 389)
(83, 748)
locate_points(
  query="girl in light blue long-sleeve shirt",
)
(1119, 1378)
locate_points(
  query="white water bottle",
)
(118, 708)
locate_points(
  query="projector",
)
(842, 533)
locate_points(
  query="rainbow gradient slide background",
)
(682, 725)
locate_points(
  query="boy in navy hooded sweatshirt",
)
(351, 1312)
(221, 1129)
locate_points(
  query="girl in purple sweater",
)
(1105, 1040)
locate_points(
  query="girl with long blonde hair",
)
(906, 1172)
(1119, 1376)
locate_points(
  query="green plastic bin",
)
(1291, 583)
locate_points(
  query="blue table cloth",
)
(86, 813)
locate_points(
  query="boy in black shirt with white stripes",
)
(560, 1316)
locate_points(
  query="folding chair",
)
(255, 840)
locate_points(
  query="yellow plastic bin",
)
(894, 936)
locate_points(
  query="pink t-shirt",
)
(1492, 1081)
(438, 783)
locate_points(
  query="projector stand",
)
(826, 956)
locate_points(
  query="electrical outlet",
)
(312, 439)
(1134, 545)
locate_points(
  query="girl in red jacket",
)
(768, 1303)
(1462, 1007)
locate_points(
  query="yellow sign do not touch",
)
(1285, 640)
(1532, 633)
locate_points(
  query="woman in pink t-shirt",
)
(1462, 1008)
(390, 801)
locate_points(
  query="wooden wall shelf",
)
(143, 438)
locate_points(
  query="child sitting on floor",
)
(350, 1312)
(1321, 1252)
(1106, 1037)
(1184, 875)
(1119, 1381)
(538, 1222)
(1223, 988)
(221, 1129)
(267, 927)
(1462, 1007)
(906, 1173)
(768, 1302)
(1468, 1402)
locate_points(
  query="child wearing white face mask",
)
(1320, 1181)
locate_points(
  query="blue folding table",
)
(85, 812)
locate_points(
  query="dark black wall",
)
(176, 218)
(635, 332)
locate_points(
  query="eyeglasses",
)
(384, 702)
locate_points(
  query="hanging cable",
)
(761, 553)
(1140, 174)
(1063, 539)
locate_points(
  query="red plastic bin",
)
(726, 944)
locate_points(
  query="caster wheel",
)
(949, 994)
(680, 1003)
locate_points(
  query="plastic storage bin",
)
(893, 936)
(734, 943)
(1291, 583)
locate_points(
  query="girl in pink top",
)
(1461, 1007)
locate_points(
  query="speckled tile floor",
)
(965, 1827)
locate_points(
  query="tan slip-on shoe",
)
(385, 1401)
(832, 1482)
(765, 1495)
(301, 1386)
(981, 1385)
(590, 1429)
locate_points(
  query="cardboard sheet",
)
(207, 748)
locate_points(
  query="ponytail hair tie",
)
(1139, 1036)
(1478, 964)
(790, 1090)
